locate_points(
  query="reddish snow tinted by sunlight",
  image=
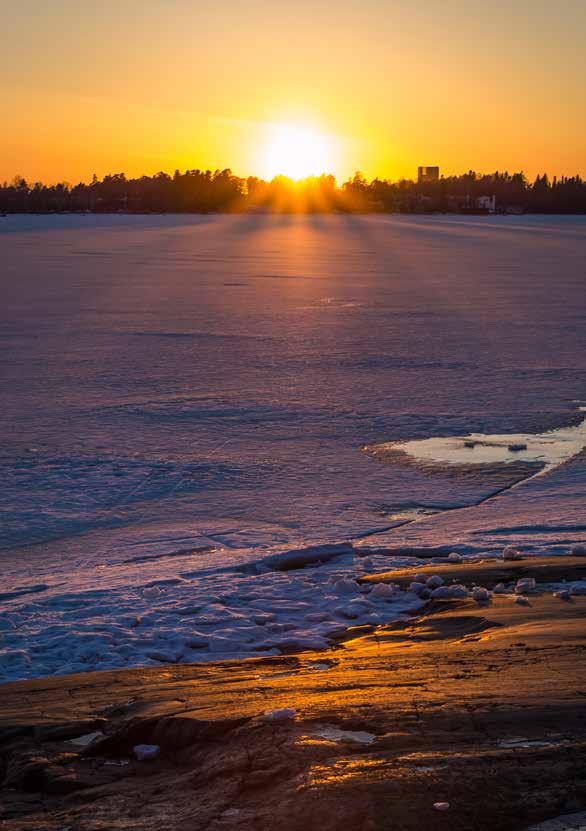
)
(185, 400)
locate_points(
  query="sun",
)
(296, 151)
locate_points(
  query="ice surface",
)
(180, 423)
(566, 822)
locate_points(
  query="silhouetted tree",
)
(202, 191)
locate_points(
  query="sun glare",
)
(296, 151)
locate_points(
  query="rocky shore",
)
(472, 716)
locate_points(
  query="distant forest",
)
(198, 191)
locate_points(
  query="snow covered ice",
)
(185, 403)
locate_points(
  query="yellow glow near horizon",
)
(458, 83)
(296, 151)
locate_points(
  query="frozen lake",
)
(181, 395)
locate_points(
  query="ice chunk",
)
(145, 752)
(500, 588)
(441, 806)
(578, 550)
(441, 593)
(85, 741)
(511, 553)
(301, 557)
(525, 585)
(564, 594)
(344, 586)
(416, 587)
(350, 612)
(382, 590)
(522, 601)
(151, 592)
(165, 656)
(335, 734)
(480, 594)
(281, 716)
(454, 557)
(458, 591)
(434, 582)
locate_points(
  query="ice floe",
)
(548, 449)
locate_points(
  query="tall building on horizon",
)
(427, 174)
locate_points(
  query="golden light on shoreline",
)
(296, 151)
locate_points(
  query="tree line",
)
(198, 191)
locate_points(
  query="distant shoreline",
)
(221, 191)
(7, 214)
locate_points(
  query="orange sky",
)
(147, 85)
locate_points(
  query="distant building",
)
(486, 203)
(427, 174)
(459, 203)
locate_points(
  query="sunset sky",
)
(147, 85)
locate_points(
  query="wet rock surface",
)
(478, 708)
